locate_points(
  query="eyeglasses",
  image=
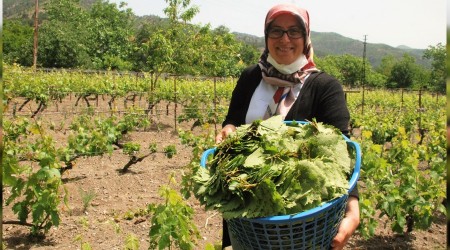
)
(294, 33)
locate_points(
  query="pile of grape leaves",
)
(269, 168)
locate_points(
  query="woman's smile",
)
(285, 50)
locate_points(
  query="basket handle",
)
(205, 155)
(357, 168)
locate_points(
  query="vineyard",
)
(101, 160)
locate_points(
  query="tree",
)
(386, 65)
(403, 73)
(156, 55)
(375, 79)
(110, 35)
(217, 52)
(181, 35)
(165, 50)
(17, 42)
(346, 68)
(73, 37)
(438, 56)
(63, 35)
(328, 64)
(179, 10)
(249, 54)
(183, 48)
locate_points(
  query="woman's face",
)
(285, 50)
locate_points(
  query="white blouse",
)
(261, 99)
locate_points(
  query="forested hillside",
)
(325, 43)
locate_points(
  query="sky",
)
(414, 23)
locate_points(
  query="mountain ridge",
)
(331, 43)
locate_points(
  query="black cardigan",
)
(321, 97)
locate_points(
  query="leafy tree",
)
(181, 35)
(404, 73)
(17, 42)
(438, 67)
(328, 64)
(347, 68)
(75, 37)
(143, 33)
(111, 31)
(62, 37)
(183, 48)
(422, 78)
(227, 50)
(179, 10)
(217, 52)
(156, 55)
(165, 49)
(351, 68)
(386, 65)
(375, 79)
(249, 54)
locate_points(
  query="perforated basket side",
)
(314, 232)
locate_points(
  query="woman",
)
(286, 82)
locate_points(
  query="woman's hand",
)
(348, 224)
(225, 132)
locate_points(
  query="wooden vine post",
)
(35, 42)
(175, 101)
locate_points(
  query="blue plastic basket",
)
(311, 229)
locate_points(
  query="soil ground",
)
(104, 224)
